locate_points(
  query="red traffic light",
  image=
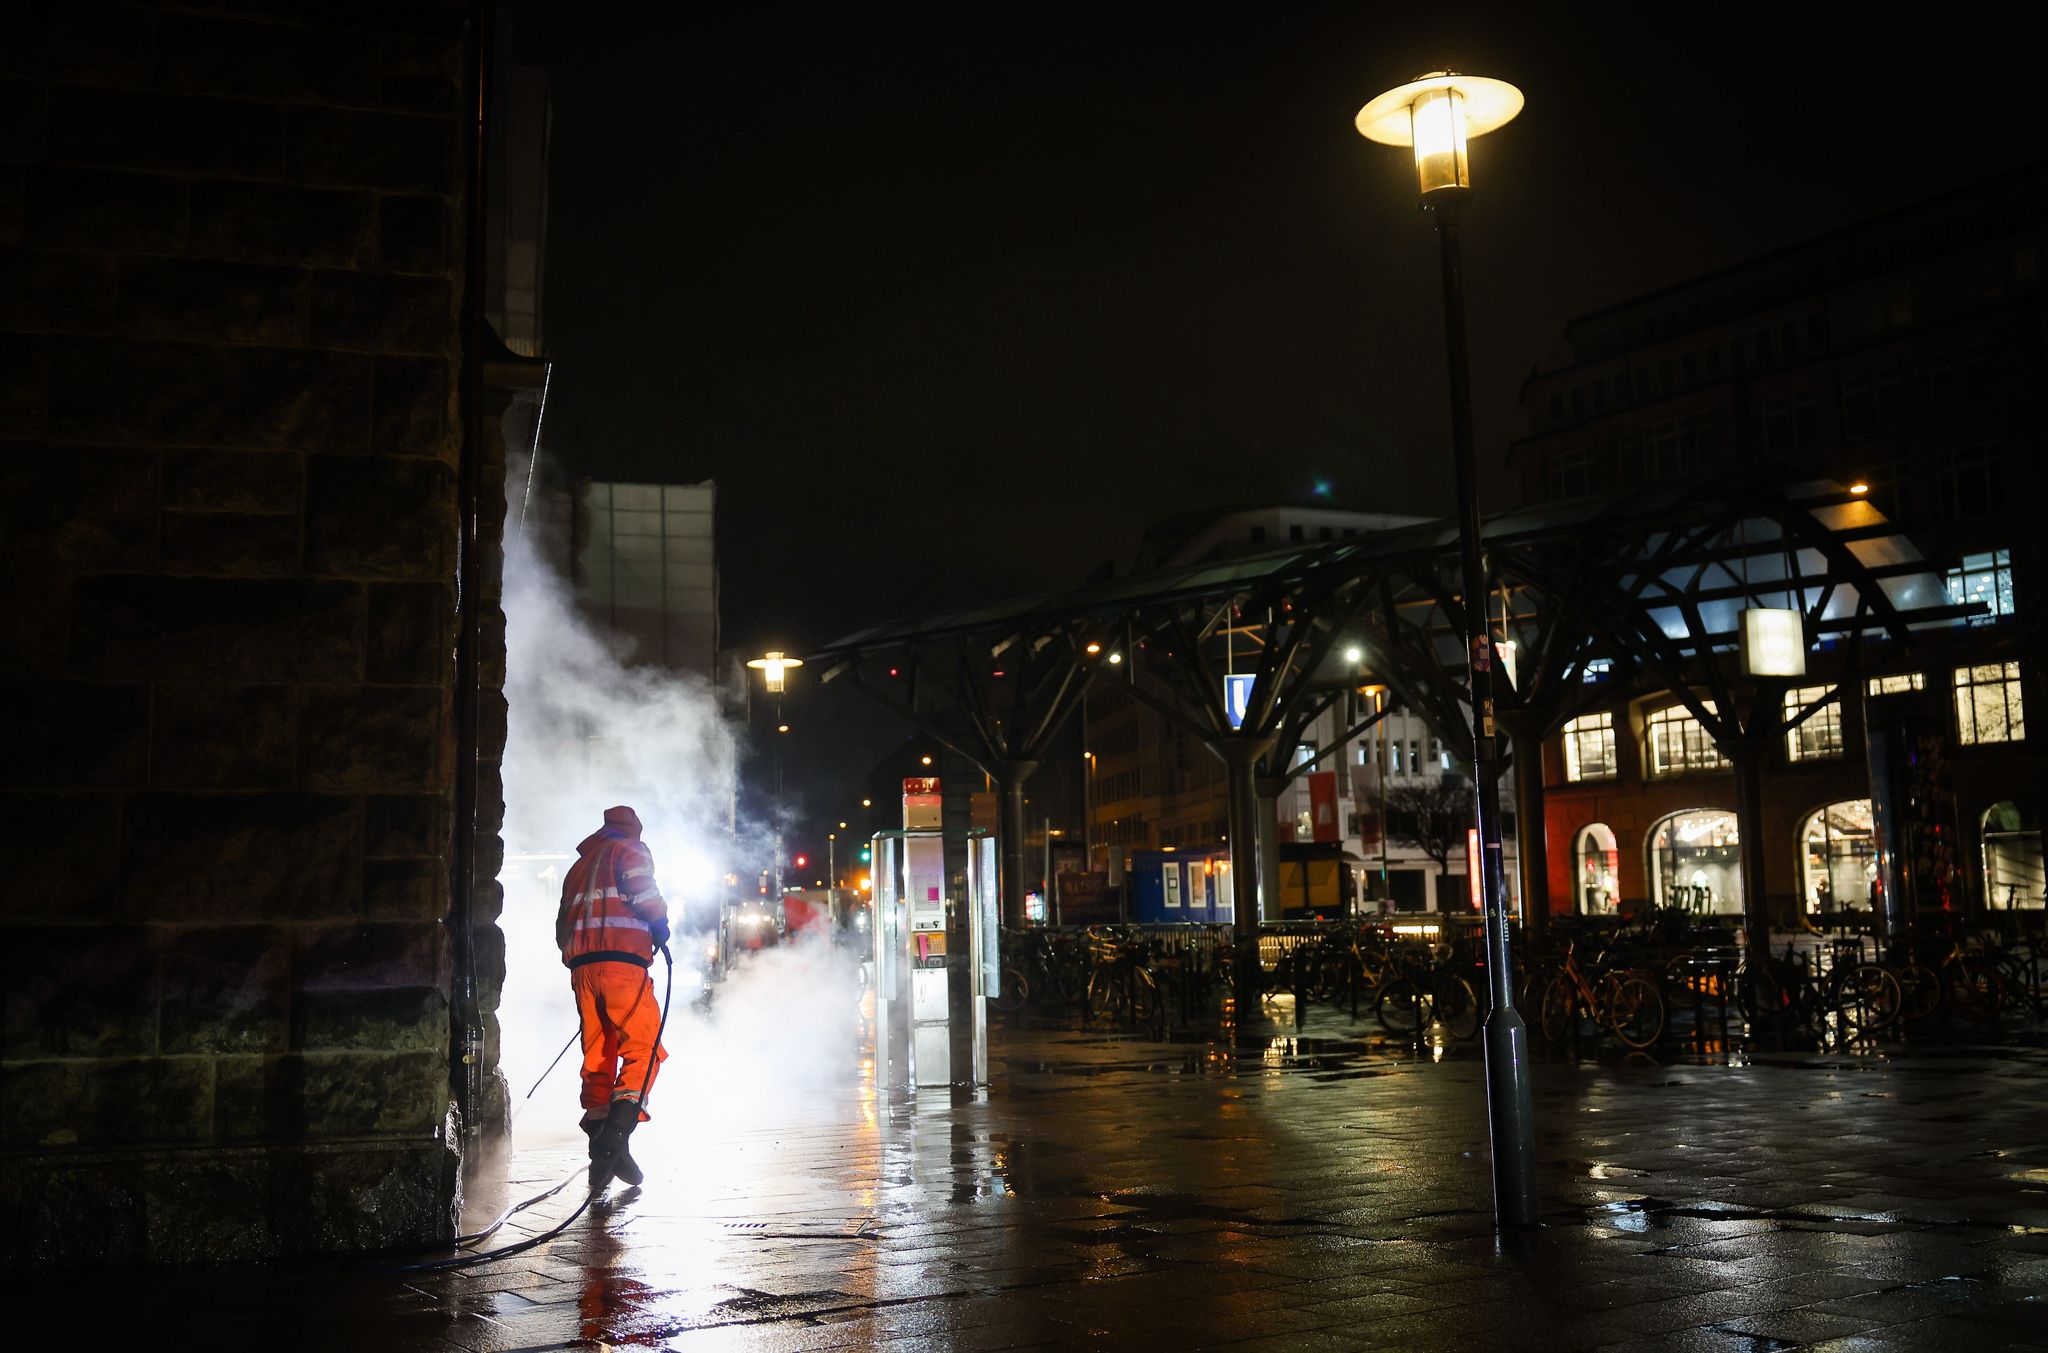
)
(802, 860)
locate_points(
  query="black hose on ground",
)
(506, 1251)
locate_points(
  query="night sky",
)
(953, 300)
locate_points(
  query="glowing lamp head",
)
(1094, 648)
(1859, 487)
(1773, 642)
(1354, 654)
(1438, 114)
(773, 667)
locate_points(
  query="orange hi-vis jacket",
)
(609, 900)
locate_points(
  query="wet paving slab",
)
(1322, 1190)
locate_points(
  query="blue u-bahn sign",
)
(1237, 697)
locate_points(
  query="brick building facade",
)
(232, 264)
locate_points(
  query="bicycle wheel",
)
(1919, 991)
(1973, 989)
(1761, 997)
(1142, 992)
(1679, 981)
(1634, 1009)
(1012, 993)
(1558, 1014)
(1401, 1007)
(1456, 1006)
(1103, 1000)
(1867, 998)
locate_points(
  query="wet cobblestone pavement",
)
(1318, 1192)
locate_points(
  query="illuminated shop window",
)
(1988, 707)
(1819, 736)
(1589, 748)
(1678, 742)
(1986, 578)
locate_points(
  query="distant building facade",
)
(1152, 785)
(1904, 355)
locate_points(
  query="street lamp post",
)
(1437, 114)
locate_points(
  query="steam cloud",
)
(587, 729)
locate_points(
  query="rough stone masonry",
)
(230, 345)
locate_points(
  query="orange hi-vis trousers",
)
(620, 1017)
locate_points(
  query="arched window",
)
(1696, 861)
(1597, 862)
(1837, 857)
(2013, 877)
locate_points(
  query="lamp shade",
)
(1438, 114)
(1773, 642)
(772, 667)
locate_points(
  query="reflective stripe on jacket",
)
(609, 900)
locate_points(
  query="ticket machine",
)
(913, 964)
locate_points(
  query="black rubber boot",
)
(608, 1154)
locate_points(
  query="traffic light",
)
(867, 854)
(802, 861)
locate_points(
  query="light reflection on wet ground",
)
(1327, 1189)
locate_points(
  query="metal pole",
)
(1010, 838)
(1046, 882)
(1386, 883)
(1509, 1112)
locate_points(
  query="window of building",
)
(1294, 532)
(1969, 478)
(1792, 426)
(1695, 860)
(1817, 331)
(1763, 347)
(1819, 735)
(1986, 578)
(1415, 756)
(1258, 535)
(1578, 401)
(1886, 483)
(1557, 406)
(1988, 707)
(1678, 742)
(1838, 857)
(1960, 382)
(1897, 684)
(1589, 748)
(1570, 473)
(1666, 449)
(1326, 533)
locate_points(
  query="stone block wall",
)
(230, 294)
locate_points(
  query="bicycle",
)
(1121, 987)
(1041, 966)
(1423, 991)
(1852, 999)
(1625, 1003)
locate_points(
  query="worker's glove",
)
(658, 932)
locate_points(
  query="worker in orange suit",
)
(612, 921)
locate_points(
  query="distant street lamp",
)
(774, 668)
(1438, 114)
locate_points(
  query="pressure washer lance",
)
(597, 1180)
